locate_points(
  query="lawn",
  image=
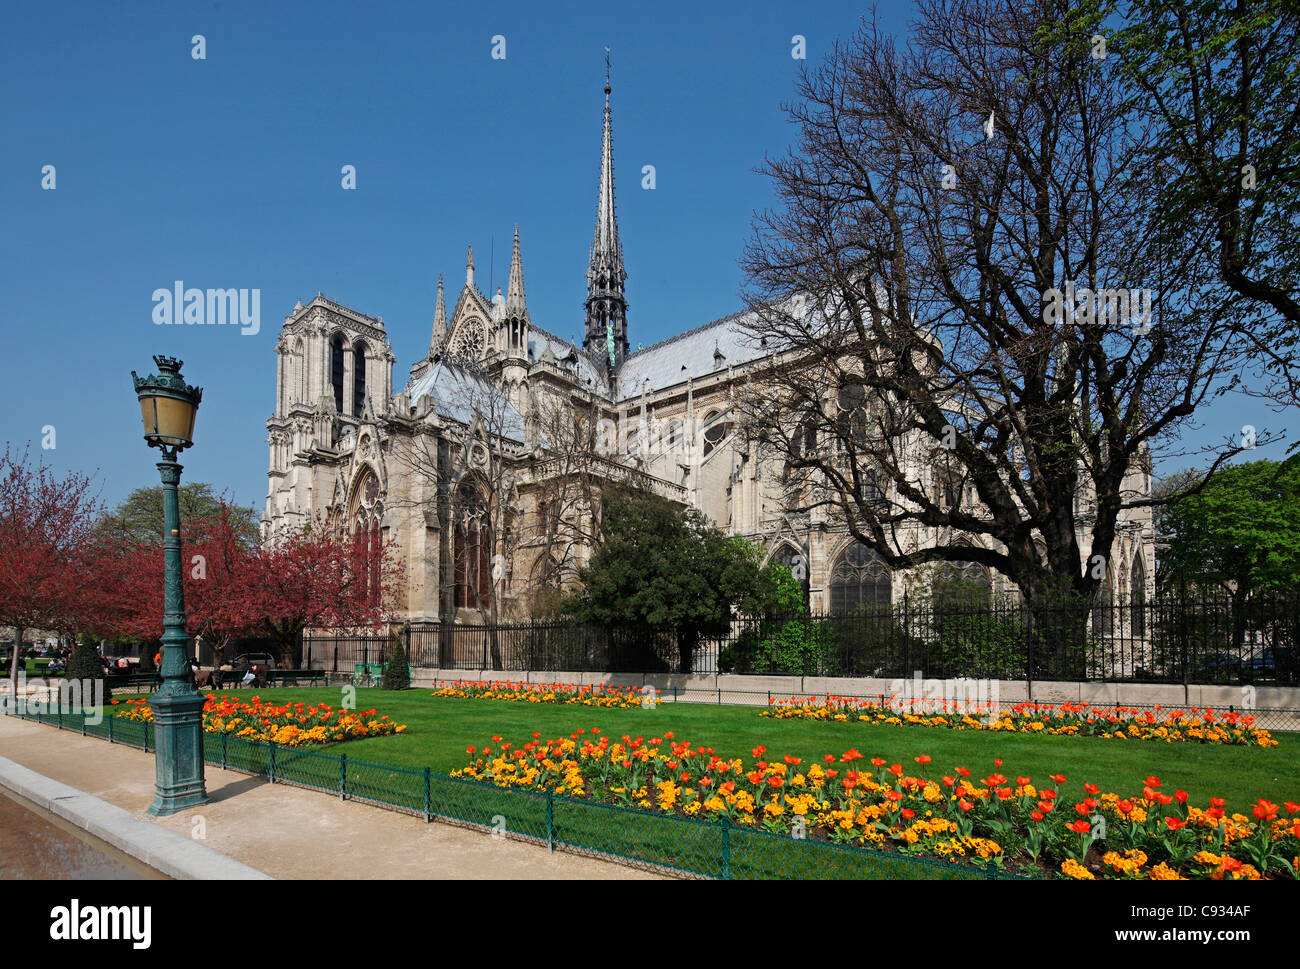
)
(439, 730)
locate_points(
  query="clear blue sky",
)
(225, 172)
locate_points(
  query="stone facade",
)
(456, 468)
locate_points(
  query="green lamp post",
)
(169, 406)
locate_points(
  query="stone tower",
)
(513, 332)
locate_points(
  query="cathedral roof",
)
(462, 393)
(590, 375)
(696, 353)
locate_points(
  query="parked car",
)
(244, 660)
(1250, 665)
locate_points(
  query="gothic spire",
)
(515, 289)
(606, 325)
(469, 268)
(439, 318)
(606, 250)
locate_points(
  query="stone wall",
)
(757, 690)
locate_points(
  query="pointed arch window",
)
(1138, 595)
(472, 551)
(794, 560)
(300, 364)
(336, 370)
(715, 435)
(1103, 606)
(366, 532)
(358, 378)
(962, 584)
(860, 582)
(852, 415)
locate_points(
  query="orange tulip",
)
(1264, 810)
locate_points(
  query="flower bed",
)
(289, 724)
(1190, 725)
(991, 820)
(616, 697)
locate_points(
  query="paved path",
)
(289, 832)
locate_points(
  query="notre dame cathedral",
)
(461, 471)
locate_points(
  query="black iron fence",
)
(1182, 640)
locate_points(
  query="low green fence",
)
(709, 849)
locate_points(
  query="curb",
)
(162, 849)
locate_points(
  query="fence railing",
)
(1179, 640)
(668, 843)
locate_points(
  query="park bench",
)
(367, 674)
(135, 680)
(296, 677)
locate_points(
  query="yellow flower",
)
(1075, 870)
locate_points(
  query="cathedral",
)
(484, 469)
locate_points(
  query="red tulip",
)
(1264, 810)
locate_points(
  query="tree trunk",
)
(446, 585)
(688, 638)
(1057, 647)
(14, 659)
(287, 643)
(1238, 601)
(494, 637)
(219, 652)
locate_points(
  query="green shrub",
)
(84, 665)
(397, 674)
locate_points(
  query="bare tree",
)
(977, 343)
(578, 454)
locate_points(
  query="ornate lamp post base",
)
(178, 735)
